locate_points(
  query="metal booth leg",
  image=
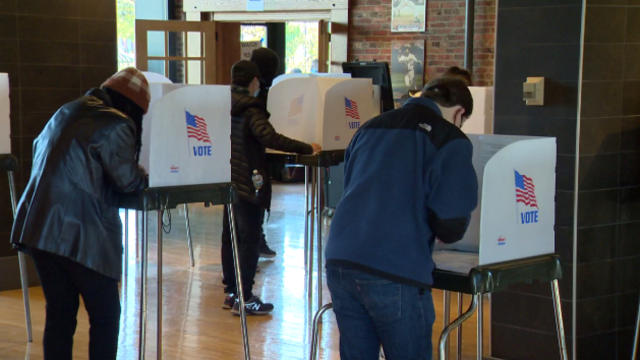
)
(189, 243)
(126, 246)
(306, 215)
(236, 265)
(634, 354)
(459, 332)
(446, 309)
(480, 329)
(557, 309)
(143, 281)
(314, 333)
(457, 322)
(160, 213)
(319, 206)
(312, 211)
(22, 264)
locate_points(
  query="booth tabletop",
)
(322, 159)
(8, 162)
(495, 277)
(172, 196)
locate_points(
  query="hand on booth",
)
(316, 148)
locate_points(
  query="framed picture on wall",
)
(408, 15)
(407, 67)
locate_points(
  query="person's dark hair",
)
(243, 72)
(135, 112)
(448, 92)
(462, 74)
(268, 63)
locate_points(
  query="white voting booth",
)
(516, 206)
(186, 135)
(5, 130)
(481, 119)
(326, 110)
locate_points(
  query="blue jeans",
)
(373, 311)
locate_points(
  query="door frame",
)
(207, 43)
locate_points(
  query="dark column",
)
(545, 39)
(53, 52)
(276, 41)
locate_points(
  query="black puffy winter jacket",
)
(83, 158)
(251, 133)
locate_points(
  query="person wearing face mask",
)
(67, 218)
(251, 134)
(408, 179)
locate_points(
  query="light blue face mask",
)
(256, 93)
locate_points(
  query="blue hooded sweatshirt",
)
(408, 179)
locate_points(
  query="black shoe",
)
(229, 300)
(265, 250)
(253, 306)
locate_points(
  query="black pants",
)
(248, 218)
(63, 280)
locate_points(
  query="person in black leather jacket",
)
(251, 133)
(67, 218)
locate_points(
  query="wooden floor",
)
(195, 326)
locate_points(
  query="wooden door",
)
(183, 51)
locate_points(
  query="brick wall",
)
(370, 36)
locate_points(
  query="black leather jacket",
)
(251, 133)
(83, 158)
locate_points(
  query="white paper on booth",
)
(5, 122)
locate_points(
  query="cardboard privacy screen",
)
(5, 129)
(516, 208)
(186, 135)
(321, 109)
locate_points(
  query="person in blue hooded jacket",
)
(408, 180)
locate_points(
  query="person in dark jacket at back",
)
(408, 179)
(67, 218)
(251, 133)
(267, 62)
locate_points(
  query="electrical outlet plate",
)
(533, 91)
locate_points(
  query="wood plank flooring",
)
(194, 325)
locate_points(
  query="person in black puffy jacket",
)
(67, 217)
(251, 133)
(268, 63)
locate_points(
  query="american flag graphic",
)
(525, 190)
(351, 109)
(197, 128)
